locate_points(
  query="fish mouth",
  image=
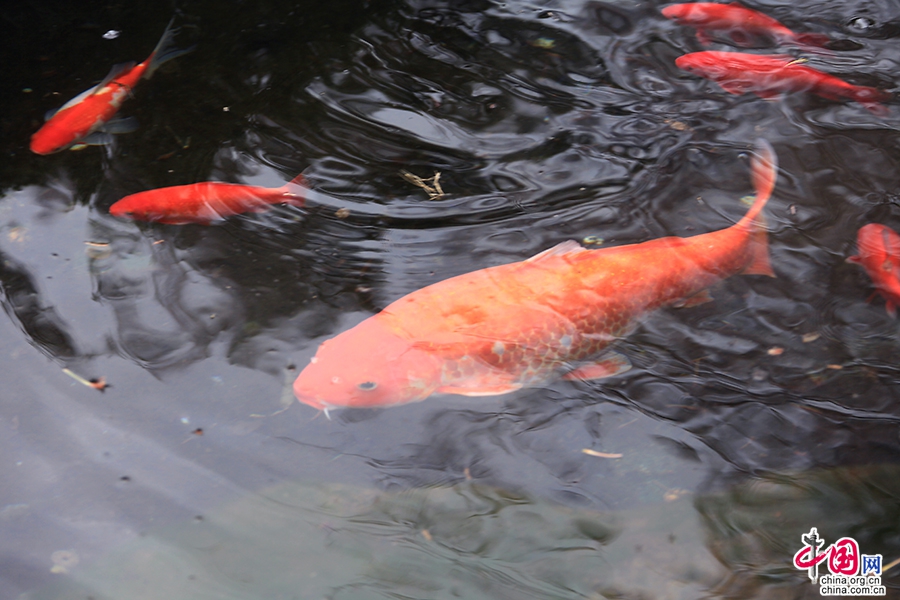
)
(312, 400)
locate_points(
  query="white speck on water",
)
(111, 34)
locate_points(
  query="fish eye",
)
(367, 385)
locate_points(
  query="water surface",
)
(547, 121)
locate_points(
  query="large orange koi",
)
(203, 203)
(87, 118)
(502, 328)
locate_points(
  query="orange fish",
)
(879, 255)
(203, 203)
(88, 117)
(768, 76)
(521, 324)
(744, 26)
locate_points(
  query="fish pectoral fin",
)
(854, 259)
(123, 125)
(568, 247)
(480, 389)
(768, 94)
(701, 297)
(734, 87)
(611, 364)
(98, 138)
(49, 114)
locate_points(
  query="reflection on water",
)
(474, 541)
(547, 121)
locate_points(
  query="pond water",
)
(743, 423)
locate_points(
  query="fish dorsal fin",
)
(567, 248)
(113, 73)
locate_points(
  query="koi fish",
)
(767, 76)
(499, 329)
(744, 26)
(88, 117)
(879, 255)
(203, 203)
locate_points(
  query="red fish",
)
(521, 324)
(203, 203)
(767, 76)
(879, 255)
(88, 117)
(743, 25)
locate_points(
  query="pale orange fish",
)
(503, 328)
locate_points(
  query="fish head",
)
(705, 64)
(368, 366)
(125, 208)
(139, 207)
(680, 13)
(49, 139)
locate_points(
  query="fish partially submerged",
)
(203, 203)
(879, 254)
(88, 117)
(499, 329)
(769, 76)
(743, 26)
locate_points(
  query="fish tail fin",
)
(295, 190)
(165, 49)
(764, 169)
(871, 98)
(812, 40)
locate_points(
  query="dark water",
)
(744, 422)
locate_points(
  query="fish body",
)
(768, 76)
(85, 117)
(502, 328)
(879, 254)
(203, 203)
(742, 25)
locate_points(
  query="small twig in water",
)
(98, 383)
(431, 186)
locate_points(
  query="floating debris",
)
(592, 240)
(342, 213)
(431, 186)
(544, 43)
(97, 250)
(111, 34)
(590, 452)
(674, 494)
(98, 383)
(775, 351)
(678, 125)
(810, 337)
(63, 560)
